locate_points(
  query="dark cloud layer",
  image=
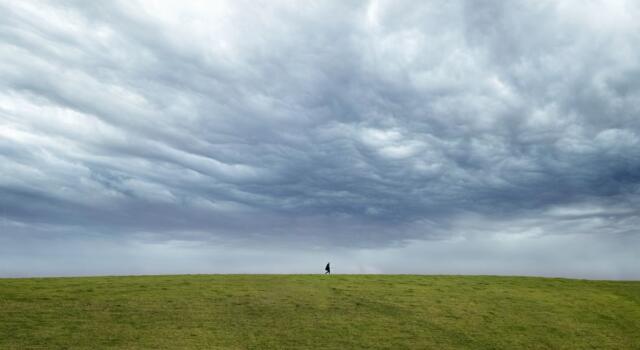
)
(357, 126)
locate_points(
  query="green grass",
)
(318, 312)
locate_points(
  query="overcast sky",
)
(467, 137)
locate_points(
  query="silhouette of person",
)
(327, 269)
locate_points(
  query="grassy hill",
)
(318, 312)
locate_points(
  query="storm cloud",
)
(390, 136)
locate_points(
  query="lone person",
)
(327, 269)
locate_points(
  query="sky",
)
(427, 137)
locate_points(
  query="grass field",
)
(318, 312)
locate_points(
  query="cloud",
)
(359, 126)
